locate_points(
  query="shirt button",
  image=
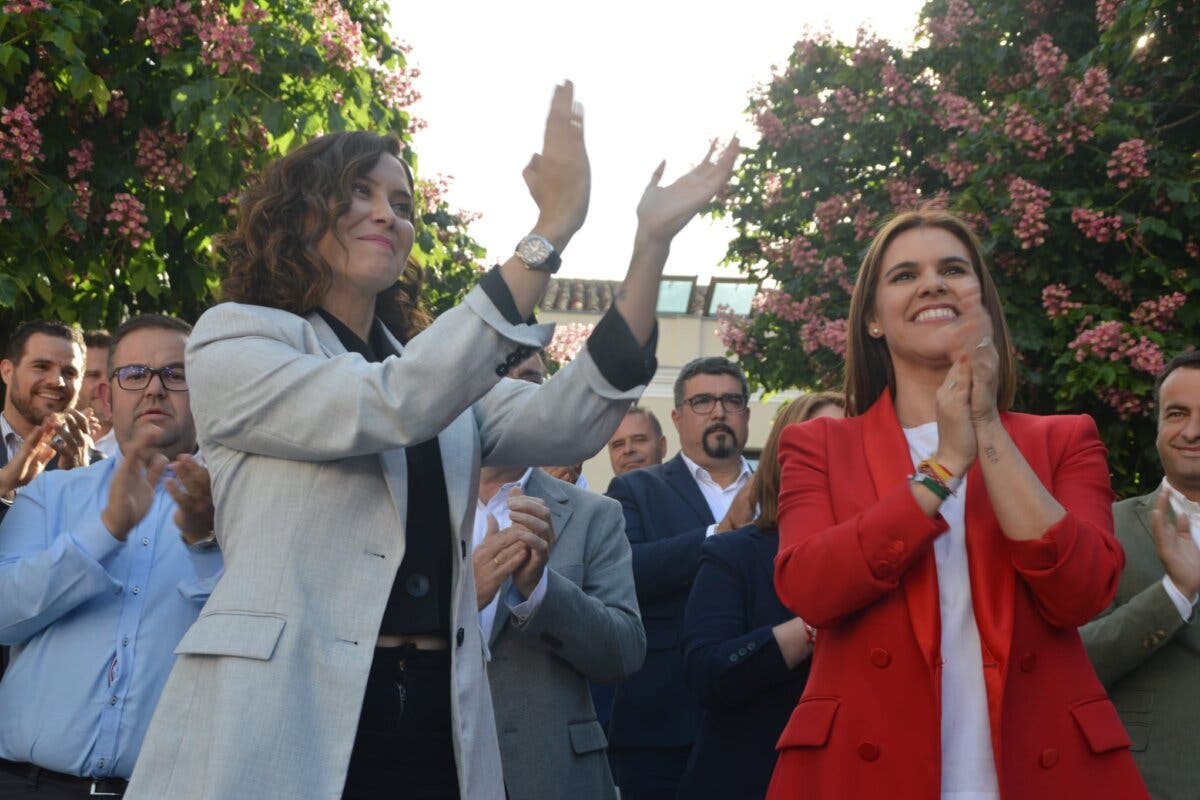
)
(137, 590)
(733, 657)
(125, 642)
(145, 540)
(112, 701)
(101, 763)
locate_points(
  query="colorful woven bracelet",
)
(931, 483)
(940, 474)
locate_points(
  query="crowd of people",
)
(322, 545)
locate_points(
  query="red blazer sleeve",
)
(1074, 568)
(829, 567)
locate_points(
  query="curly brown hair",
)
(271, 257)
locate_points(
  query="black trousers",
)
(404, 745)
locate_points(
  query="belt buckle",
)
(93, 792)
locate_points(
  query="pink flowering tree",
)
(1065, 131)
(569, 339)
(127, 131)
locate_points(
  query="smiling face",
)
(635, 444)
(169, 413)
(1178, 439)
(44, 381)
(925, 272)
(368, 245)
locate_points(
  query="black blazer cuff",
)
(621, 360)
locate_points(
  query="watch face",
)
(534, 250)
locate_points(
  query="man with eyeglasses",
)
(669, 510)
(102, 570)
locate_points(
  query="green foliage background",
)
(108, 80)
(852, 132)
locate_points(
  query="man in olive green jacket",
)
(1146, 646)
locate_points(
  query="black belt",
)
(91, 787)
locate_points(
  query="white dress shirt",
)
(718, 497)
(520, 607)
(968, 765)
(108, 445)
(1190, 509)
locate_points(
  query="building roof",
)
(595, 296)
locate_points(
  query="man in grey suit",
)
(555, 614)
(1146, 647)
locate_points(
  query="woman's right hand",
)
(956, 432)
(559, 178)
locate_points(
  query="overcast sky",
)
(658, 79)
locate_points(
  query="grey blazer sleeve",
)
(593, 625)
(1142, 617)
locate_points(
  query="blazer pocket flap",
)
(810, 723)
(1100, 725)
(586, 737)
(246, 634)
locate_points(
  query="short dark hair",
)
(49, 327)
(142, 322)
(708, 365)
(1188, 360)
(649, 415)
(98, 338)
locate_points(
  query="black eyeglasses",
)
(705, 403)
(136, 377)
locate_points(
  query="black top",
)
(420, 598)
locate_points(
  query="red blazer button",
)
(880, 658)
(1028, 662)
(1049, 758)
(868, 751)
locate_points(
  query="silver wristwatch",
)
(538, 253)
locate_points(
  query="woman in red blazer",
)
(946, 548)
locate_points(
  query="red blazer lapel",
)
(890, 464)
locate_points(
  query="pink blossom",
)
(568, 339)
(20, 139)
(396, 89)
(868, 48)
(5, 213)
(947, 30)
(1056, 300)
(854, 106)
(166, 27)
(1090, 98)
(341, 37)
(783, 306)
(958, 170)
(903, 193)
(81, 159)
(1027, 211)
(734, 332)
(224, 43)
(38, 94)
(25, 6)
(829, 213)
(1046, 59)
(1159, 313)
(158, 158)
(130, 216)
(1193, 249)
(1096, 226)
(1124, 401)
(1020, 126)
(819, 331)
(772, 189)
(954, 111)
(1106, 13)
(897, 88)
(864, 223)
(83, 198)
(770, 127)
(803, 253)
(1128, 162)
(1114, 285)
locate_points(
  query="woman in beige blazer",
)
(309, 412)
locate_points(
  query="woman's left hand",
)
(664, 210)
(974, 339)
(559, 178)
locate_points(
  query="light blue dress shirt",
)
(93, 622)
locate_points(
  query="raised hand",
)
(73, 439)
(499, 555)
(664, 210)
(191, 489)
(957, 445)
(131, 492)
(30, 459)
(559, 178)
(741, 511)
(531, 521)
(972, 339)
(1175, 546)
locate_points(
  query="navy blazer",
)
(733, 664)
(666, 518)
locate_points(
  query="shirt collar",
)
(8, 435)
(700, 473)
(1179, 501)
(502, 493)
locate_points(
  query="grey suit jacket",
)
(1149, 660)
(586, 628)
(304, 443)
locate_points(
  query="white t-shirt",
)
(968, 765)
